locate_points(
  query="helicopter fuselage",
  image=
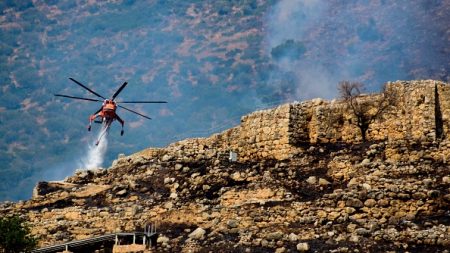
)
(107, 113)
(109, 109)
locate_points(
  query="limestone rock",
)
(166, 158)
(280, 250)
(446, 180)
(447, 197)
(370, 203)
(232, 223)
(356, 203)
(303, 247)
(323, 182)
(163, 239)
(275, 235)
(293, 237)
(121, 192)
(197, 234)
(311, 180)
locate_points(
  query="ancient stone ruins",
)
(302, 181)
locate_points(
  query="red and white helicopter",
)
(107, 113)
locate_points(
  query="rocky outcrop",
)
(421, 114)
(298, 186)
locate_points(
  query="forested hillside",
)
(213, 61)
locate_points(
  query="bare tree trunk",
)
(361, 109)
(363, 133)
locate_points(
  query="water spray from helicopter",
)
(106, 115)
(96, 153)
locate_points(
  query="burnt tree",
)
(365, 109)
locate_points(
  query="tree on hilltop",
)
(365, 111)
(290, 49)
(15, 235)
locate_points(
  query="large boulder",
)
(197, 234)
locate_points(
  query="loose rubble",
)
(379, 196)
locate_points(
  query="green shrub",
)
(15, 235)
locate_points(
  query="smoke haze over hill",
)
(371, 43)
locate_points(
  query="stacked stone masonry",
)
(293, 192)
(412, 118)
(421, 114)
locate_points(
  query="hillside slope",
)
(213, 61)
(344, 196)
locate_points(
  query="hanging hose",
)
(105, 129)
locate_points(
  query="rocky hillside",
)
(338, 196)
(213, 61)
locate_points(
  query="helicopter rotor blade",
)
(119, 90)
(93, 92)
(134, 112)
(80, 98)
(142, 102)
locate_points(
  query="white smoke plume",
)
(96, 154)
(315, 44)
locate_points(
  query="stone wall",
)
(316, 121)
(421, 114)
(262, 134)
(443, 91)
(413, 117)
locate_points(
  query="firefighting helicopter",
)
(107, 112)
